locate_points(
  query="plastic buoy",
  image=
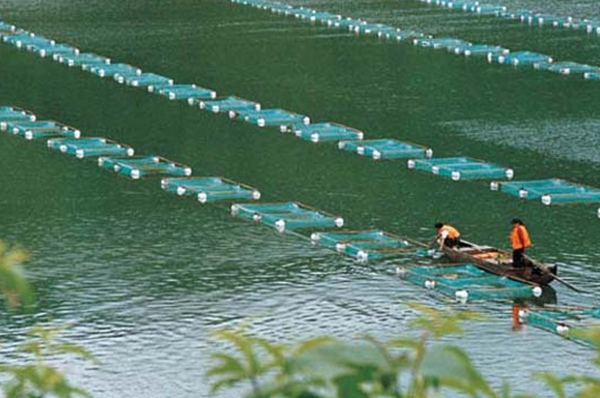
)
(523, 193)
(537, 291)
(280, 225)
(547, 199)
(339, 222)
(202, 197)
(462, 296)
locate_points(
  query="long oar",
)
(543, 268)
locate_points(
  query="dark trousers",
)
(451, 242)
(518, 256)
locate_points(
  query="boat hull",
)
(499, 262)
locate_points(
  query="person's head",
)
(439, 225)
(516, 221)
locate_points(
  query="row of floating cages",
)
(465, 282)
(286, 216)
(365, 245)
(494, 54)
(526, 16)
(461, 168)
(574, 323)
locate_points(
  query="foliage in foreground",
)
(34, 378)
(324, 367)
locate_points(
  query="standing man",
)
(447, 235)
(519, 240)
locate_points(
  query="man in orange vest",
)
(519, 240)
(447, 235)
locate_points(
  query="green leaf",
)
(555, 384)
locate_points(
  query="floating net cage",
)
(83, 60)
(461, 168)
(6, 28)
(23, 39)
(11, 114)
(229, 105)
(210, 189)
(567, 68)
(272, 118)
(137, 167)
(521, 58)
(113, 70)
(480, 50)
(467, 282)
(287, 216)
(53, 51)
(571, 322)
(326, 132)
(145, 80)
(42, 129)
(364, 245)
(440, 43)
(592, 76)
(90, 147)
(549, 191)
(386, 149)
(188, 92)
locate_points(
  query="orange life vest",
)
(519, 238)
(452, 232)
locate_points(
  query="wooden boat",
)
(499, 262)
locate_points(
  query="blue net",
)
(566, 68)
(146, 80)
(137, 167)
(550, 191)
(467, 282)
(572, 323)
(386, 149)
(286, 216)
(42, 129)
(209, 189)
(188, 92)
(460, 168)
(83, 59)
(12, 114)
(112, 70)
(592, 76)
(90, 147)
(364, 245)
(54, 51)
(440, 43)
(229, 104)
(273, 118)
(322, 132)
(523, 58)
(480, 50)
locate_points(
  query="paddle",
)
(543, 268)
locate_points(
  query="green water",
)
(144, 277)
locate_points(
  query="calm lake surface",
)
(143, 278)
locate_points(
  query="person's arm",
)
(442, 238)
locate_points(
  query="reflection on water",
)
(144, 277)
